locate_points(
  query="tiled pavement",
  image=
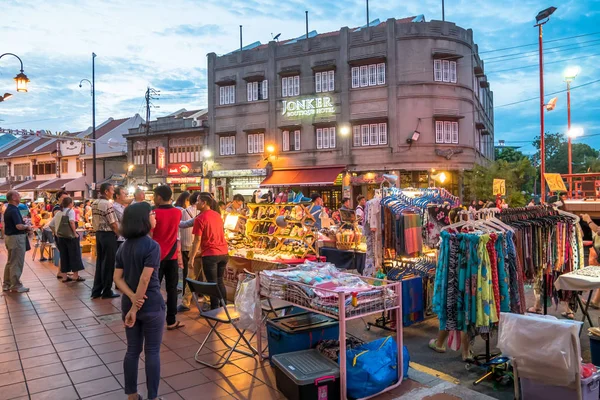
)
(57, 343)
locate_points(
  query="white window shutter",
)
(221, 146)
(364, 76)
(255, 91)
(319, 138)
(374, 140)
(355, 77)
(356, 135)
(365, 135)
(437, 70)
(249, 90)
(318, 82)
(261, 143)
(383, 133)
(332, 137)
(453, 71)
(250, 144)
(290, 86)
(297, 140)
(286, 140)
(265, 89)
(455, 132)
(232, 144)
(381, 74)
(232, 94)
(439, 131)
(331, 75)
(221, 97)
(372, 75)
(326, 132)
(297, 85)
(446, 71)
(284, 87)
(447, 132)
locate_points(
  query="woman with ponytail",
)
(209, 238)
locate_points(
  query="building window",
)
(257, 90)
(184, 150)
(324, 81)
(3, 171)
(23, 169)
(368, 75)
(290, 86)
(226, 95)
(256, 143)
(444, 71)
(42, 168)
(326, 138)
(291, 140)
(64, 166)
(79, 165)
(227, 145)
(446, 132)
(369, 135)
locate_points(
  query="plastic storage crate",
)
(307, 375)
(301, 331)
(532, 390)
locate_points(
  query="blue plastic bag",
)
(372, 367)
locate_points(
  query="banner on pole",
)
(499, 187)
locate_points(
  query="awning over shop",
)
(56, 184)
(6, 186)
(312, 176)
(30, 185)
(76, 185)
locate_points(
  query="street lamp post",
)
(21, 79)
(542, 17)
(570, 75)
(93, 93)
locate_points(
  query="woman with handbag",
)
(64, 226)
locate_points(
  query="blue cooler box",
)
(299, 332)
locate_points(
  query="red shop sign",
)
(179, 169)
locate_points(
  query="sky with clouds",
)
(164, 45)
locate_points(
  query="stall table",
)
(587, 278)
(345, 259)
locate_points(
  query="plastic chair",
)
(226, 314)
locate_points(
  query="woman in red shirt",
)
(209, 237)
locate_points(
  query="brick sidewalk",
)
(57, 343)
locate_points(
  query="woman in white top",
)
(68, 242)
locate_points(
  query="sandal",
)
(594, 306)
(176, 325)
(434, 347)
(534, 310)
(470, 359)
(79, 279)
(568, 315)
(69, 279)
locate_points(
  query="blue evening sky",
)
(164, 45)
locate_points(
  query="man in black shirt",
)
(16, 243)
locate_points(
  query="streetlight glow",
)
(22, 81)
(5, 97)
(571, 73)
(206, 153)
(270, 149)
(574, 132)
(344, 130)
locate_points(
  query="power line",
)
(546, 49)
(545, 63)
(535, 44)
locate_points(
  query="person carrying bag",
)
(64, 225)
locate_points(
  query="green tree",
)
(557, 154)
(518, 175)
(508, 154)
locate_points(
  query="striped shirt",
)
(185, 234)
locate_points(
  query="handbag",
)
(64, 227)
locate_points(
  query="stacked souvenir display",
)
(278, 232)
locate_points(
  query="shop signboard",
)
(369, 178)
(307, 107)
(232, 173)
(162, 157)
(499, 187)
(184, 179)
(179, 169)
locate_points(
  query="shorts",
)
(47, 236)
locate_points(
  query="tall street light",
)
(542, 17)
(93, 85)
(21, 78)
(570, 74)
